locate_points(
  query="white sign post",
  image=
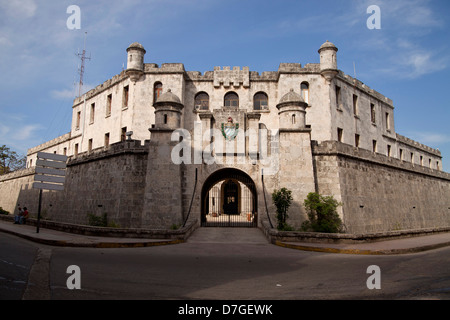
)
(50, 175)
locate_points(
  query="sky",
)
(407, 59)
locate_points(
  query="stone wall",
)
(380, 193)
(106, 181)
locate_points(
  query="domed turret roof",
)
(136, 45)
(168, 97)
(328, 45)
(292, 97)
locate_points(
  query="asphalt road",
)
(215, 270)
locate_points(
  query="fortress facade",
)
(157, 146)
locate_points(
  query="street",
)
(215, 270)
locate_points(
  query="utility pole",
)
(83, 59)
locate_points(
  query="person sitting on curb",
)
(18, 216)
(24, 217)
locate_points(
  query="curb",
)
(362, 251)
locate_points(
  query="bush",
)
(3, 211)
(282, 200)
(97, 221)
(322, 214)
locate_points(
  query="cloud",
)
(432, 138)
(19, 9)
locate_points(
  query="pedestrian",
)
(24, 216)
(18, 216)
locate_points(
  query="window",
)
(340, 133)
(421, 160)
(92, 116)
(293, 119)
(78, 120)
(126, 91)
(90, 145)
(429, 163)
(76, 149)
(123, 134)
(304, 89)
(231, 100)
(388, 150)
(412, 157)
(388, 125)
(157, 91)
(401, 154)
(65, 151)
(338, 97)
(374, 145)
(260, 101)
(165, 119)
(355, 105)
(372, 113)
(108, 105)
(201, 101)
(437, 165)
(357, 140)
(107, 140)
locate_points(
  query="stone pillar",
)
(295, 156)
(163, 206)
(253, 134)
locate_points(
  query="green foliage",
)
(101, 221)
(3, 211)
(97, 221)
(10, 160)
(282, 200)
(322, 214)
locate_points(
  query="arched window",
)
(304, 87)
(231, 100)
(157, 91)
(201, 101)
(260, 101)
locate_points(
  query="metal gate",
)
(229, 200)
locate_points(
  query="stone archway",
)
(229, 199)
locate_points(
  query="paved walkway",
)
(227, 235)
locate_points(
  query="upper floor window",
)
(126, 92)
(92, 116)
(157, 91)
(304, 87)
(355, 105)
(373, 116)
(108, 105)
(338, 97)
(260, 101)
(231, 100)
(201, 101)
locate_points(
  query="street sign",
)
(50, 171)
(50, 175)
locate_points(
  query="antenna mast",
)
(83, 59)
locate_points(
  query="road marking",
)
(38, 286)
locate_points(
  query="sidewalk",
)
(395, 246)
(58, 238)
(65, 239)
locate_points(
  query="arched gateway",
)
(229, 199)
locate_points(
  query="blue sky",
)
(407, 60)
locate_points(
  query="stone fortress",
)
(157, 146)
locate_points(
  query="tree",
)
(322, 214)
(10, 160)
(282, 200)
